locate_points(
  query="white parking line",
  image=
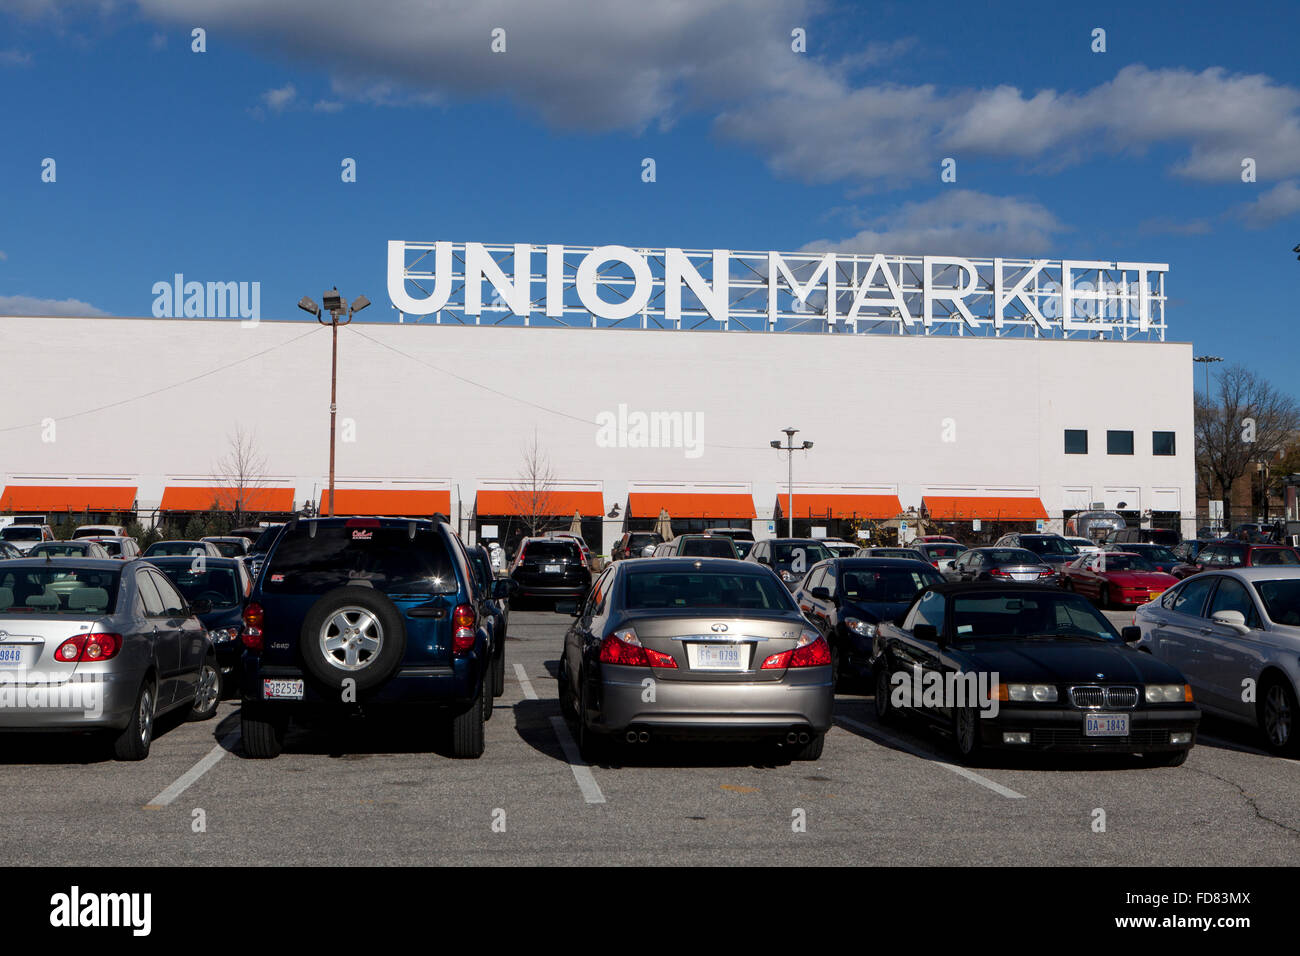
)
(916, 751)
(581, 772)
(524, 682)
(187, 779)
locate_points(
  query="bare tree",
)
(532, 496)
(242, 473)
(1248, 421)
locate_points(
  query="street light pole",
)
(1207, 361)
(790, 448)
(337, 306)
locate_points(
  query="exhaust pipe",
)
(791, 737)
(643, 737)
(803, 738)
(631, 736)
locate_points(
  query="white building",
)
(961, 426)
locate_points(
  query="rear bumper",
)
(451, 686)
(575, 591)
(105, 702)
(803, 699)
(1062, 731)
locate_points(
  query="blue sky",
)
(224, 165)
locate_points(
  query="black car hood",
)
(873, 611)
(1064, 662)
(222, 617)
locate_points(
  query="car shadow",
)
(75, 747)
(1229, 735)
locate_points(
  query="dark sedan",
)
(847, 598)
(550, 569)
(223, 585)
(1027, 667)
(790, 558)
(1001, 564)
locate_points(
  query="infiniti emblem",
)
(719, 628)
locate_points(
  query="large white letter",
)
(776, 270)
(397, 279)
(1070, 295)
(1002, 299)
(586, 282)
(480, 265)
(678, 267)
(1144, 293)
(894, 300)
(955, 295)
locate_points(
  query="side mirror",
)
(926, 632)
(1131, 634)
(205, 607)
(1233, 619)
(821, 594)
(764, 559)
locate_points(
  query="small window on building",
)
(1076, 441)
(1119, 443)
(1162, 443)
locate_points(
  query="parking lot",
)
(366, 793)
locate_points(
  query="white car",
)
(99, 531)
(24, 537)
(1084, 545)
(1235, 635)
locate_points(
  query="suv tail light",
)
(811, 651)
(253, 620)
(463, 620)
(88, 648)
(624, 648)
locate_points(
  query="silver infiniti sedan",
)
(101, 645)
(1235, 635)
(694, 647)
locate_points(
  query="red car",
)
(1116, 577)
(1237, 554)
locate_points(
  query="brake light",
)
(463, 620)
(624, 648)
(1046, 574)
(999, 573)
(89, 648)
(362, 523)
(811, 651)
(253, 620)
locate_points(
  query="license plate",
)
(1105, 725)
(1016, 576)
(718, 657)
(1156, 594)
(552, 569)
(11, 657)
(281, 689)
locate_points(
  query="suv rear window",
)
(387, 558)
(553, 549)
(708, 548)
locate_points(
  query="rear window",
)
(1278, 556)
(49, 590)
(812, 552)
(552, 550)
(112, 547)
(61, 549)
(707, 548)
(175, 547)
(886, 585)
(336, 556)
(1011, 556)
(21, 533)
(943, 550)
(228, 549)
(647, 588)
(643, 540)
(263, 542)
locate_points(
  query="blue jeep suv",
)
(350, 613)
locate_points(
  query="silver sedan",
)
(1235, 635)
(694, 647)
(99, 644)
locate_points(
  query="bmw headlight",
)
(865, 628)
(1167, 693)
(1038, 693)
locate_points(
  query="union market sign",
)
(617, 286)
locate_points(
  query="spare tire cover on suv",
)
(352, 632)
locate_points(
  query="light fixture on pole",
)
(1207, 361)
(790, 448)
(337, 307)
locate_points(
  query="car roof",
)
(994, 587)
(170, 559)
(907, 563)
(1265, 573)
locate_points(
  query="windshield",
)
(1157, 552)
(707, 548)
(263, 542)
(218, 585)
(21, 533)
(743, 547)
(60, 549)
(1281, 600)
(886, 585)
(942, 550)
(50, 590)
(112, 547)
(229, 549)
(1048, 545)
(1126, 562)
(390, 559)
(1014, 615)
(646, 588)
(813, 552)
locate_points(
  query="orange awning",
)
(387, 501)
(217, 498)
(645, 504)
(70, 498)
(842, 506)
(590, 504)
(986, 509)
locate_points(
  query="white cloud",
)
(29, 305)
(1280, 202)
(281, 98)
(4, 256)
(15, 58)
(956, 222)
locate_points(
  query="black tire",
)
(1103, 597)
(884, 707)
(359, 615)
(134, 740)
(263, 734)
(499, 671)
(207, 696)
(1276, 711)
(812, 750)
(965, 734)
(568, 704)
(1170, 758)
(592, 746)
(467, 727)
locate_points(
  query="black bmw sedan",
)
(1030, 667)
